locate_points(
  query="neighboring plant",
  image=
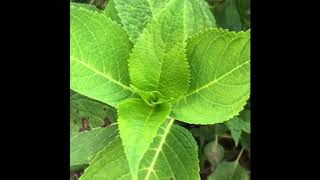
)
(154, 61)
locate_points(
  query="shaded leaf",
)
(94, 111)
(235, 127)
(229, 171)
(85, 145)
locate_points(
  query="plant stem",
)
(240, 154)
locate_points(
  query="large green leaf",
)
(85, 145)
(158, 64)
(99, 52)
(136, 14)
(138, 125)
(229, 171)
(94, 111)
(173, 154)
(220, 77)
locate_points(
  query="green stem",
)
(240, 154)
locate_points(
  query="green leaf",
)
(83, 107)
(220, 77)
(245, 141)
(244, 12)
(198, 17)
(227, 15)
(85, 145)
(158, 61)
(136, 14)
(229, 171)
(245, 123)
(173, 154)
(85, 6)
(99, 52)
(235, 126)
(112, 12)
(138, 125)
(152, 98)
(214, 152)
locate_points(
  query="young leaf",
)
(220, 77)
(85, 145)
(98, 54)
(229, 171)
(172, 155)
(138, 125)
(158, 61)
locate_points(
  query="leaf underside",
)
(220, 77)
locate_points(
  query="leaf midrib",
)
(218, 79)
(101, 74)
(159, 148)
